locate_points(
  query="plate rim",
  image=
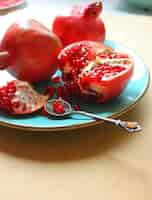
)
(91, 123)
(12, 6)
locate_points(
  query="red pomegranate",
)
(98, 72)
(29, 51)
(81, 23)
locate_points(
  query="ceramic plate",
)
(135, 89)
(7, 4)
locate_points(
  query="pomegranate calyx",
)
(93, 10)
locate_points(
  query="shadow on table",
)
(66, 146)
(125, 7)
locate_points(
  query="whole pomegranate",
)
(81, 23)
(29, 51)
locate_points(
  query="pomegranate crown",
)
(93, 10)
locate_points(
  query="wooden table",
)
(94, 163)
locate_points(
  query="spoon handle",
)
(127, 125)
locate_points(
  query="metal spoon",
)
(127, 125)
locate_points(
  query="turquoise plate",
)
(135, 89)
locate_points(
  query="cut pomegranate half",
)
(98, 72)
(107, 76)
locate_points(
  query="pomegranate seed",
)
(60, 92)
(50, 90)
(74, 90)
(102, 55)
(121, 56)
(63, 92)
(44, 112)
(16, 104)
(76, 107)
(58, 108)
(56, 79)
(66, 77)
(66, 95)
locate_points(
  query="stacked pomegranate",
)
(32, 53)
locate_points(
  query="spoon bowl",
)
(67, 108)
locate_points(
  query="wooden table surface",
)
(94, 163)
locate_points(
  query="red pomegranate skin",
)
(32, 49)
(80, 23)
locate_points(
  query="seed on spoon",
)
(58, 107)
